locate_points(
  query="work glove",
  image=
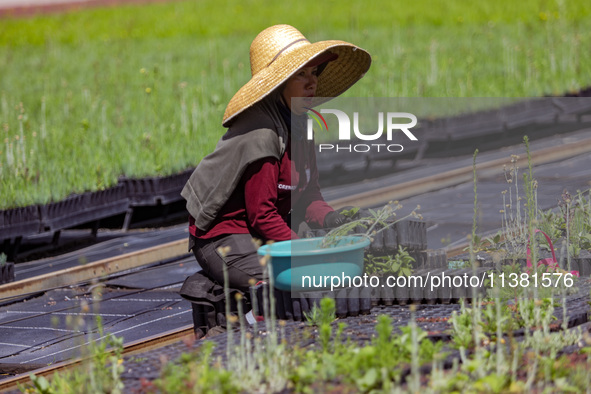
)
(335, 219)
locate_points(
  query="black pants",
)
(241, 260)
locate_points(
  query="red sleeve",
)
(316, 207)
(260, 195)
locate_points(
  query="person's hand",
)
(335, 219)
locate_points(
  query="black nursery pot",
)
(7, 273)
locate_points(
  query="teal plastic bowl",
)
(302, 265)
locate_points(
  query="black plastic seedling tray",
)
(6, 272)
(19, 222)
(84, 208)
(156, 190)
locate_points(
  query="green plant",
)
(514, 221)
(519, 217)
(550, 223)
(323, 314)
(537, 315)
(487, 244)
(2, 259)
(350, 213)
(566, 377)
(522, 220)
(463, 328)
(477, 243)
(195, 373)
(491, 243)
(571, 222)
(494, 322)
(536, 312)
(377, 365)
(377, 221)
(576, 222)
(327, 315)
(322, 317)
(261, 361)
(398, 265)
(475, 209)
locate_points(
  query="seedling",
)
(397, 265)
(377, 221)
(489, 244)
(323, 314)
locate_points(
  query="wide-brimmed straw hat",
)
(280, 50)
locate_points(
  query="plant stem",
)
(500, 349)
(416, 377)
(475, 217)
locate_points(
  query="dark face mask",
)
(296, 124)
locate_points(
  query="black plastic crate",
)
(18, 222)
(84, 208)
(156, 190)
(412, 234)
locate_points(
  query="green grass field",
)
(89, 96)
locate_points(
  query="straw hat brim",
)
(338, 76)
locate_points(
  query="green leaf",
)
(369, 380)
(41, 383)
(350, 212)
(493, 382)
